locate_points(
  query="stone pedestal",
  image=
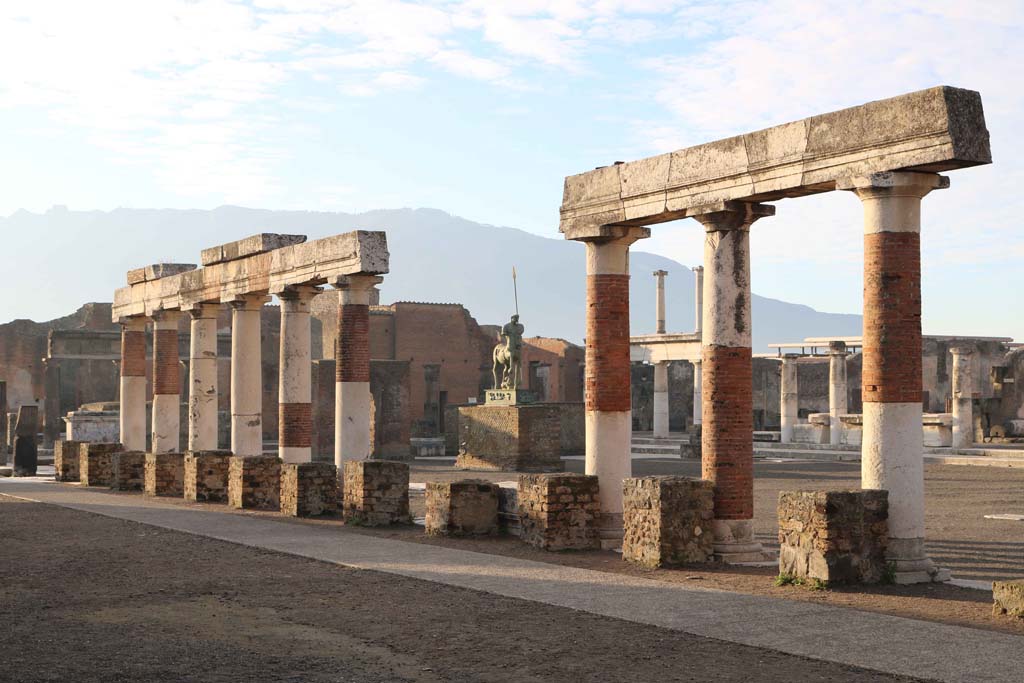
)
(519, 438)
(667, 520)
(96, 463)
(128, 471)
(559, 511)
(26, 456)
(462, 508)
(1009, 598)
(309, 489)
(375, 492)
(834, 536)
(254, 482)
(65, 460)
(507, 397)
(165, 474)
(206, 476)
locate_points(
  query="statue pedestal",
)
(511, 438)
(509, 397)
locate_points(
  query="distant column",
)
(697, 392)
(295, 416)
(352, 365)
(727, 436)
(659, 300)
(166, 383)
(837, 391)
(698, 296)
(963, 393)
(133, 384)
(247, 375)
(202, 396)
(790, 403)
(661, 430)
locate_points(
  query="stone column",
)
(698, 296)
(963, 393)
(202, 395)
(607, 373)
(790, 404)
(891, 454)
(661, 430)
(837, 403)
(698, 392)
(133, 384)
(247, 375)
(166, 383)
(659, 302)
(727, 437)
(295, 415)
(352, 365)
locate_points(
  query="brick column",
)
(661, 429)
(963, 396)
(698, 298)
(202, 395)
(698, 390)
(891, 454)
(295, 415)
(133, 384)
(352, 367)
(246, 376)
(608, 401)
(659, 301)
(166, 383)
(837, 403)
(727, 437)
(789, 384)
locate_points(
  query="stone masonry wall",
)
(66, 456)
(206, 476)
(165, 474)
(309, 489)
(559, 511)
(833, 536)
(254, 482)
(667, 520)
(462, 508)
(375, 492)
(129, 471)
(95, 463)
(511, 438)
(1008, 597)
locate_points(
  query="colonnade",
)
(837, 393)
(661, 400)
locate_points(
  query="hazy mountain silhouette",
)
(434, 257)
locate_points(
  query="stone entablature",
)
(462, 508)
(667, 520)
(559, 511)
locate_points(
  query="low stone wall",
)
(375, 492)
(309, 489)
(521, 438)
(206, 476)
(165, 474)
(128, 471)
(66, 455)
(559, 511)
(254, 482)
(462, 508)
(96, 463)
(833, 536)
(667, 520)
(1009, 598)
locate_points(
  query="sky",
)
(482, 107)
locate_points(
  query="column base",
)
(610, 530)
(735, 544)
(911, 564)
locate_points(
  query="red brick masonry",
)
(353, 350)
(727, 434)
(165, 362)
(133, 353)
(607, 364)
(296, 424)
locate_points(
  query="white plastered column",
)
(352, 365)
(661, 429)
(790, 399)
(166, 420)
(133, 385)
(698, 299)
(837, 391)
(294, 385)
(659, 301)
(247, 375)
(698, 392)
(963, 393)
(203, 389)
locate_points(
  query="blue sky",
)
(480, 108)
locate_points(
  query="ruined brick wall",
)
(565, 360)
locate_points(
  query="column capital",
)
(790, 358)
(698, 269)
(962, 350)
(204, 310)
(249, 302)
(660, 273)
(298, 292)
(837, 348)
(893, 183)
(166, 319)
(729, 215)
(135, 324)
(605, 234)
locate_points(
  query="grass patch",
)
(810, 584)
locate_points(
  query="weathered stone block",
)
(26, 456)
(206, 476)
(559, 511)
(667, 520)
(128, 471)
(1009, 598)
(165, 474)
(254, 482)
(309, 489)
(462, 508)
(833, 536)
(96, 463)
(66, 455)
(375, 492)
(520, 438)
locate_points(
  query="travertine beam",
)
(250, 246)
(932, 130)
(319, 262)
(157, 271)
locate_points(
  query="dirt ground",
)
(89, 598)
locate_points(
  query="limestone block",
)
(206, 476)
(309, 489)
(96, 463)
(559, 511)
(165, 474)
(1009, 598)
(462, 508)
(667, 520)
(128, 471)
(254, 482)
(375, 492)
(833, 536)
(157, 271)
(93, 425)
(65, 460)
(248, 246)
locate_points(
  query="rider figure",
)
(512, 334)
